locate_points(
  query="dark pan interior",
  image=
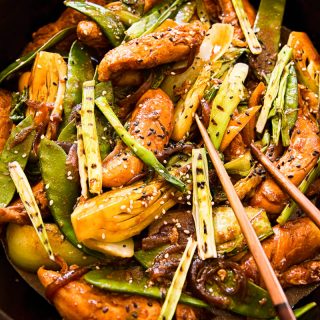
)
(18, 19)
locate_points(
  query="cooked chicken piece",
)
(90, 34)
(310, 99)
(305, 273)
(300, 157)
(16, 212)
(148, 4)
(69, 18)
(5, 122)
(151, 124)
(296, 241)
(235, 149)
(152, 50)
(129, 78)
(79, 300)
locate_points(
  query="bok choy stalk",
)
(290, 114)
(251, 38)
(123, 249)
(111, 27)
(153, 19)
(144, 154)
(278, 107)
(90, 138)
(26, 251)
(226, 101)
(291, 207)
(172, 298)
(240, 166)
(202, 205)
(121, 213)
(215, 44)
(273, 87)
(228, 235)
(29, 202)
(47, 85)
(188, 105)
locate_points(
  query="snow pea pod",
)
(290, 106)
(153, 19)
(23, 61)
(268, 28)
(110, 280)
(69, 132)
(19, 152)
(62, 189)
(80, 69)
(110, 26)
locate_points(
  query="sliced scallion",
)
(202, 205)
(24, 189)
(169, 306)
(90, 138)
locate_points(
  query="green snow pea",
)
(23, 61)
(80, 69)
(62, 190)
(19, 152)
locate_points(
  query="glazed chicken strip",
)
(291, 244)
(79, 300)
(305, 273)
(151, 125)
(300, 157)
(16, 212)
(5, 122)
(152, 50)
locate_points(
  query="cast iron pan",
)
(18, 19)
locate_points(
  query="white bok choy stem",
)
(25, 192)
(202, 205)
(216, 42)
(169, 306)
(90, 138)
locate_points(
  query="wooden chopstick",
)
(277, 295)
(304, 203)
